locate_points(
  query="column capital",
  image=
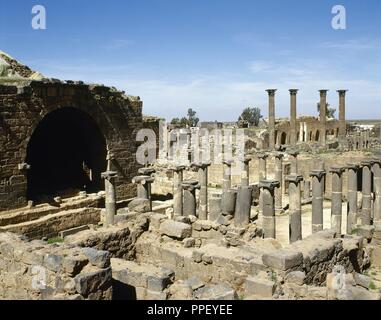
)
(268, 184)
(228, 162)
(376, 160)
(367, 163)
(323, 92)
(294, 178)
(292, 152)
(342, 92)
(293, 91)
(271, 92)
(109, 175)
(353, 166)
(247, 159)
(338, 170)
(317, 173)
(262, 155)
(278, 155)
(143, 179)
(200, 165)
(146, 171)
(190, 185)
(177, 168)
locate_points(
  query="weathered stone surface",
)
(283, 259)
(98, 258)
(296, 277)
(220, 291)
(140, 205)
(175, 229)
(259, 286)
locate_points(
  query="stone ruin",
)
(81, 219)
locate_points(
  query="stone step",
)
(51, 224)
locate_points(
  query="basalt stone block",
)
(139, 205)
(259, 286)
(87, 283)
(176, 229)
(98, 258)
(283, 259)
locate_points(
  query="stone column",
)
(227, 175)
(317, 199)
(306, 189)
(203, 194)
(342, 122)
(245, 177)
(262, 176)
(366, 192)
(214, 206)
(377, 190)
(278, 177)
(271, 93)
(243, 206)
(293, 130)
(177, 190)
(189, 204)
(295, 217)
(267, 190)
(337, 196)
(144, 187)
(323, 117)
(352, 196)
(228, 202)
(293, 153)
(110, 190)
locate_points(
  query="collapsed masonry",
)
(307, 228)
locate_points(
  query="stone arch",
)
(67, 153)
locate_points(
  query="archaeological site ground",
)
(101, 201)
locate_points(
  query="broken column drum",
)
(262, 176)
(267, 190)
(317, 199)
(144, 187)
(243, 206)
(109, 177)
(294, 161)
(352, 196)
(366, 192)
(203, 194)
(189, 204)
(336, 202)
(245, 176)
(177, 190)
(227, 174)
(295, 216)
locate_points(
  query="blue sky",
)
(217, 56)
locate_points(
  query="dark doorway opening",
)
(67, 153)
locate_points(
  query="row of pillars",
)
(293, 116)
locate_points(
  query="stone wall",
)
(39, 271)
(23, 107)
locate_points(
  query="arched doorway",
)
(67, 153)
(283, 138)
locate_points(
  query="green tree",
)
(251, 115)
(330, 112)
(192, 118)
(175, 121)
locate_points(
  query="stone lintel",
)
(269, 184)
(143, 179)
(295, 178)
(317, 173)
